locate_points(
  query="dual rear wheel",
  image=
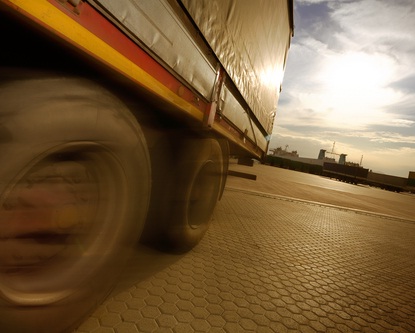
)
(75, 187)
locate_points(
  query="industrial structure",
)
(342, 169)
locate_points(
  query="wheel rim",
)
(203, 195)
(56, 224)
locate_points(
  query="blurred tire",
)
(74, 193)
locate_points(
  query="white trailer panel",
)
(251, 40)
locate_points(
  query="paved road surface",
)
(290, 252)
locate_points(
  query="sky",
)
(350, 83)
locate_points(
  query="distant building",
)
(342, 170)
(283, 152)
(322, 158)
(411, 178)
(342, 158)
(293, 156)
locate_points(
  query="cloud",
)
(391, 137)
(402, 123)
(307, 2)
(405, 84)
(376, 24)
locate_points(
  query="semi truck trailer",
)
(117, 120)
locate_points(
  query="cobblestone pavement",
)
(270, 264)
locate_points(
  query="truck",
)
(117, 121)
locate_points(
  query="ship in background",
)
(339, 169)
(322, 156)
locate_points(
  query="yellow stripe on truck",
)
(77, 34)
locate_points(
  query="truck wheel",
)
(186, 195)
(74, 192)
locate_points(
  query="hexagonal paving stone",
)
(274, 264)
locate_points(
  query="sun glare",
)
(271, 78)
(353, 71)
(355, 87)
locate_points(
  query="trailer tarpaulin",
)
(251, 40)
